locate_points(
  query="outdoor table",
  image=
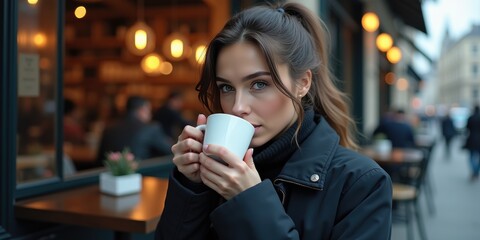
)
(396, 156)
(88, 207)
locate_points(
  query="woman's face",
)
(247, 90)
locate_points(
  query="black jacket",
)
(324, 191)
(473, 126)
(448, 129)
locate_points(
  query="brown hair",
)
(286, 34)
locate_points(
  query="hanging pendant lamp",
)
(140, 38)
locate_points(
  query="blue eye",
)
(225, 88)
(259, 85)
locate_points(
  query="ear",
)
(304, 83)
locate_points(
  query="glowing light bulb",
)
(80, 12)
(176, 48)
(140, 39)
(384, 42)
(370, 22)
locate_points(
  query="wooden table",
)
(397, 155)
(398, 162)
(87, 206)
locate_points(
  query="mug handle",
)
(201, 127)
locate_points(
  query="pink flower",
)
(121, 163)
(130, 157)
(114, 156)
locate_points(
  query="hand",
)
(231, 179)
(186, 151)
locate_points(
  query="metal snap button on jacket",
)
(314, 178)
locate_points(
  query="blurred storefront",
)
(86, 51)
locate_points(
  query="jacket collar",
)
(308, 165)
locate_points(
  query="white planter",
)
(119, 204)
(120, 185)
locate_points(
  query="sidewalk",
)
(456, 198)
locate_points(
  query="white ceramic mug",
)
(229, 131)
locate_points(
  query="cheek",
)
(271, 108)
(226, 103)
(276, 114)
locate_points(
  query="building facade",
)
(459, 70)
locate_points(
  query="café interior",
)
(104, 62)
(97, 53)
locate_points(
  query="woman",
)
(299, 180)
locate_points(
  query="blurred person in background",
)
(170, 117)
(472, 143)
(397, 129)
(448, 132)
(73, 131)
(136, 132)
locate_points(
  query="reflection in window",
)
(36, 88)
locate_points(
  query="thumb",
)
(201, 119)
(248, 159)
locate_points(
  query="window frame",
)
(10, 192)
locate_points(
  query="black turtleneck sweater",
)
(270, 158)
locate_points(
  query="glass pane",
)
(37, 86)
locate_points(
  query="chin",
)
(257, 142)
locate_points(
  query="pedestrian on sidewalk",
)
(448, 132)
(472, 142)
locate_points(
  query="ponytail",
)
(327, 100)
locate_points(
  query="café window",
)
(37, 86)
(75, 73)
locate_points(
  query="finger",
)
(201, 119)
(248, 159)
(190, 132)
(187, 145)
(207, 181)
(211, 178)
(187, 163)
(227, 156)
(189, 169)
(185, 159)
(212, 165)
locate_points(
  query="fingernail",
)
(205, 147)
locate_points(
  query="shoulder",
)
(353, 160)
(352, 168)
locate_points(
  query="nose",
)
(241, 106)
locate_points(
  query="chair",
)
(428, 189)
(428, 143)
(407, 192)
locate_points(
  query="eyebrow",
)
(248, 77)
